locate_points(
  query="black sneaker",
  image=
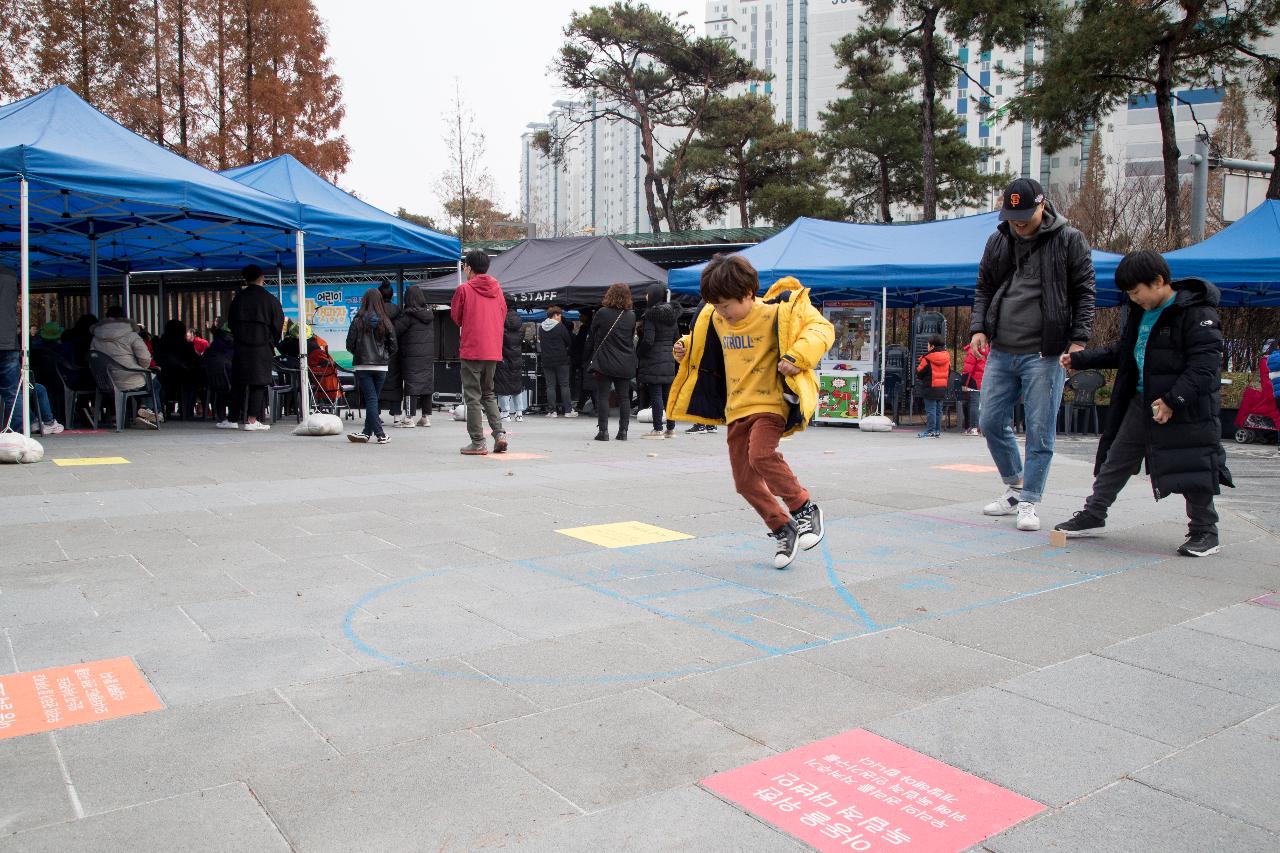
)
(788, 538)
(808, 519)
(697, 428)
(1083, 523)
(1200, 545)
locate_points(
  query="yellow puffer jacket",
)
(698, 393)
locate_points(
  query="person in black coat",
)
(181, 373)
(371, 340)
(416, 334)
(555, 343)
(1166, 401)
(391, 397)
(579, 358)
(257, 323)
(612, 343)
(657, 365)
(216, 363)
(508, 379)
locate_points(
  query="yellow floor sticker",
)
(91, 460)
(623, 534)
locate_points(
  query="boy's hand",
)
(1065, 360)
(1160, 412)
(786, 368)
(979, 344)
(678, 350)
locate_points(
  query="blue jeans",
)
(932, 415)
(1037, 383)
(10, 364)
(370, 384)
(42, 402)
(513, 404)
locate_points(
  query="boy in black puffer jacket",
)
(1165, 405)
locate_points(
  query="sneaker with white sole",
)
(357, 438)
(226, 425)
(424, 421)
(808, 519)
(788, 538)
(1200, 545)
(384, 439)
(256, 426)
(1027, 518)
(1007, 504)
(51, 428)
(407, 423)
(572, 413)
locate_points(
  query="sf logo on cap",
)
(1015, 199)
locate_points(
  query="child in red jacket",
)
(934, 370)
(971, 385)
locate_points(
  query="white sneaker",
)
(256, 426)
(1027, 518)
(572, 413)
(226, 425)
(51, 428)
(407, 423)
(424, 421)
(1007, 504)
(552, 415)
(520, 417)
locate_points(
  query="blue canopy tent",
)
(352, 232)
(1243, 260)
(917, 264)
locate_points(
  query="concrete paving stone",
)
(617, 748)
(518, 578)
(708, 638)
(330, 522)
(43, 575)
(138, 634)
(450, 792)
(1117, 614)
(1005, 574)
(233, 667)
(1257, 569)
(1131, 818)
(373, 709)
(1186, 591)
(1247, 623)
(148, 593)
(784, 701)
(573, 669)
(35, 792)
(522, 544)
(556, 613)
(412, 562)
(913, 664)
(176, 750)
(22, 550)
(906, 598)
(295, 574)
(1022, 634)
(223, 555)
(324, 545)
(219, 531)
(683, 592)
(1241, 668)
(822, 613)
(426, 591)
(46, 604)
(691, 819)
(902, 500)
(1227, 772)
(415, 535)
(1147, 703)
(223, 818)
(320, 610)
(1268, 723)
(152, 541)
(1018, 743)
(183, 521)
(429, 632)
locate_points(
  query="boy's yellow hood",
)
(787, 282)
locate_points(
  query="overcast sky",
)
(398, 60)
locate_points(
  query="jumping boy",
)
(1165, 405)
(749, 363)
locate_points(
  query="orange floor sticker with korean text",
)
(46, 699)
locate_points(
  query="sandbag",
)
(460, 412)
(875, 423)
(17, 448)
(319, 423)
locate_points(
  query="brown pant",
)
(760, 472)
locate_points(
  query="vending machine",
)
(844, 375)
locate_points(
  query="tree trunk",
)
(742, 192)
(883, 167)
(155, 49)
(222, 85)
(1273, 186)
(929, 73)
(250, 130)
(650, 174)
(183, 118)
(84, 54)
(1169, 147)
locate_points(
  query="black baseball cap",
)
(1021, 199)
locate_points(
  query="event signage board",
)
(46, 699)
(330, 310)
(839, 396)
(859, 791)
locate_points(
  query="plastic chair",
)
(218, 375)
(1084, 389)
(104, 369)
(954, 398)
(287, 388)
(70, 395)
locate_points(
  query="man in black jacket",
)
(1165, 405)
(555, 342)
(257, 322)
(1034, 301)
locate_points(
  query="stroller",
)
(1258, 418)
(327, 390)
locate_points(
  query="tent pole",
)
(128, 310)
(279, 281)
(25, 272)
(884, 319)
(94, 304)
(304, 384)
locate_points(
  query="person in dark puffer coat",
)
(416, 336)
(1166, 401)
(508, 379)
(657, 365)
(612, 344)
(391, 397)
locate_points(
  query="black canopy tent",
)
(567, 271)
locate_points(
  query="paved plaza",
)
(398, 648)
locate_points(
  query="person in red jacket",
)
(971, 383)
(479, 309)
(934, 370)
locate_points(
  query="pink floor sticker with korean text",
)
(858, 791)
